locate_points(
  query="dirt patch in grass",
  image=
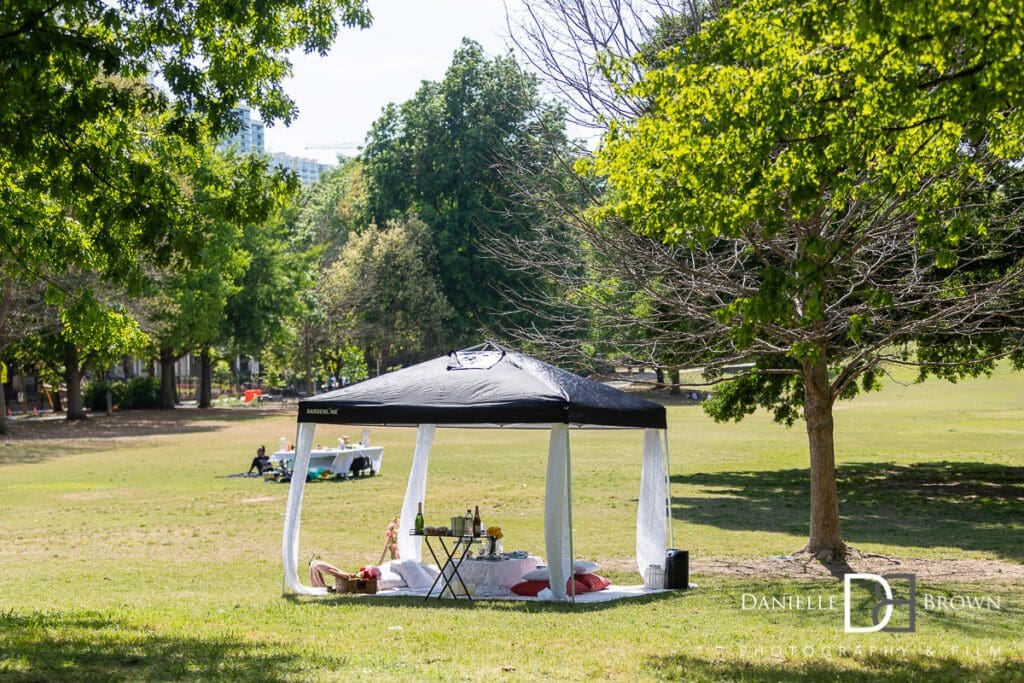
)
(800, 567)
(803, 567)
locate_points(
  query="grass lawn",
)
(125, 555)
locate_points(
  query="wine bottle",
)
(419, 520)
(476, 522)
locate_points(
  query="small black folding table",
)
(454, 556)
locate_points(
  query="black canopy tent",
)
(489, 386)
(482, 387)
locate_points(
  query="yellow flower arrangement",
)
(494, 531)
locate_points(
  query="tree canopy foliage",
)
(104, 108)
(818, 189)
(88, 150)
(842, 173)
(445, 154)
(381, 294)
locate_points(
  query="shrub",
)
(138, 393)
(95, 395)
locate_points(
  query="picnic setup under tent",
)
(489, 386)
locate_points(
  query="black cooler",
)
(677, 568)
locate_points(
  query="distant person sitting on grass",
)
(261, 463)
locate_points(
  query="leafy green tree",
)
(232, 201)
(81, 178)
(90, 154)
(331, 209)
(347, 362)
(446, 155)
(265, 294)
(309, 333)
(381, 294)
(821, 189)
(78, 333)
(23, 312)
(311, 233)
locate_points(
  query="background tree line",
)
(378, 264)
(399, 238)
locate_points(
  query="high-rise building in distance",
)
(249, 140)
(308, 170)
(249, 137)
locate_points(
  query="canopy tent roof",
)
(482, 386)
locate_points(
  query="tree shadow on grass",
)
(38, 441)
(967, 505)
(36, 453)
(893, 669)
(46, 647)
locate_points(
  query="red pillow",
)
(531, 588)
(592, 582)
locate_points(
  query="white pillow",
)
(585, 567)
(538, 574)
(417, 576)
(389, 578)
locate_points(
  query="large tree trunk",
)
(168, 388)
(73, 379)
(825, 542)
(308, 370)
(674, 378)
(205, 379)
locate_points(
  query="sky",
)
(341, 95)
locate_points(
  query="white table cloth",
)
(495, 578)
(337, 460)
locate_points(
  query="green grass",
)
(127, 557)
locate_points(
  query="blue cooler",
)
(677, 569)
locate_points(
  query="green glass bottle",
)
(419, 521)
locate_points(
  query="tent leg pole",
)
(572, 550)
(293, 513)
(668, 492)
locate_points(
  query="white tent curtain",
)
(411, 547)
(293, 514)
(651, 517)
(557, 513)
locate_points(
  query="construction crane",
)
(337, 145)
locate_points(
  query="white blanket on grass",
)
(609, 594)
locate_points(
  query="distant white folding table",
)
(336, 460)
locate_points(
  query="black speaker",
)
(677, 569)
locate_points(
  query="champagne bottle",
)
(419, 520)
(477, 524)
